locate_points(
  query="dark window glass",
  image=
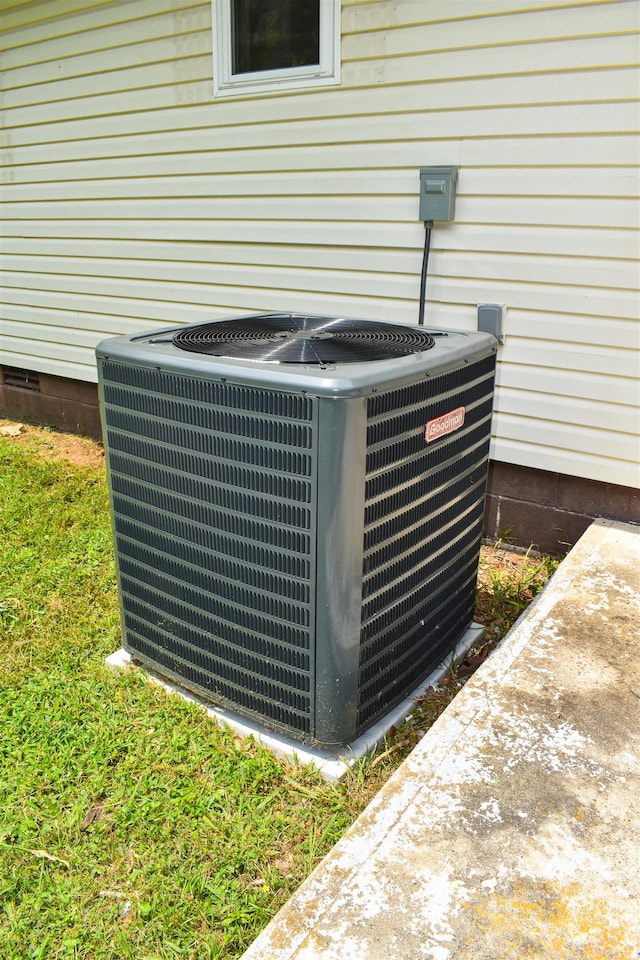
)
(275, 34)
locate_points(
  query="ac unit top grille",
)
(292, 338)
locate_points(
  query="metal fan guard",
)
(297, 338)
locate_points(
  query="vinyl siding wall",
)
(132, 198)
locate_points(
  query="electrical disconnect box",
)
(491, 319)
(438, 193)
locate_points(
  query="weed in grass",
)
(131, 826)
(507, 583)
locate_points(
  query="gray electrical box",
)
(491, 319)
(438, 193)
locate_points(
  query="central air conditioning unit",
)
(297, 505)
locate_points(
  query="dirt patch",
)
(80, 451)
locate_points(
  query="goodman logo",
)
(447, 423)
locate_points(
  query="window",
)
(267, 45)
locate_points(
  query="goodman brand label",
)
(447, 423)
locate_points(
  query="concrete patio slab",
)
(512, 829)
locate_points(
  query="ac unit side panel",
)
(213, 489)
(424, 505)
(341, 474)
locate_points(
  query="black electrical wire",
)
(428, 224)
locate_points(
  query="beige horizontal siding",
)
(342, 236)
(131, 198)
(564, 245)
(193, 265)
(619, 152)
(110, 91)
(524, 182)
(310, 135)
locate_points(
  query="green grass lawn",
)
(130, 825)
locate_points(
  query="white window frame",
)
(326, 73)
